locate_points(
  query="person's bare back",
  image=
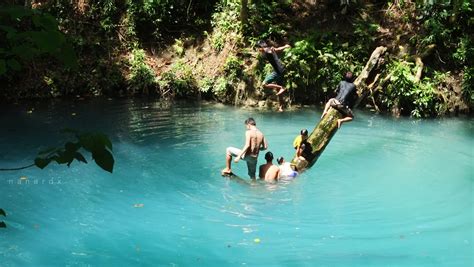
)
(272, 174)
(256, 141)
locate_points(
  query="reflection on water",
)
(386, 192)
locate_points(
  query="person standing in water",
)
(345, 99)
(254, 142)
(274, 80)
(269, 172)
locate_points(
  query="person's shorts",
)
(274, 77)
(251, 161)
(345, 110)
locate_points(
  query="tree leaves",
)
(3, 66)
(98, 144)
(2, 224)
(29, 34)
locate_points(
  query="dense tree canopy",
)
(206, 49)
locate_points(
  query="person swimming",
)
(286, 170)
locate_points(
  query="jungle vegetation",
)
(175, 49)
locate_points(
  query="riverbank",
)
(423, 73)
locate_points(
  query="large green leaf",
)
(46, 22)
(78, 156)
(42, 162)
(104, 159)
(47, 41)
(10, 31)
(15, 12)
(95, 141)
(2, 212)
(67, 56)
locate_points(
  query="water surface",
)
(386, 192)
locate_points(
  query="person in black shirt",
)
(345, 99)
(275, 79)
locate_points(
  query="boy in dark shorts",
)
(345, 99)
(274, 80)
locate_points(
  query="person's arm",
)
(244, 149)
(299, 150)
(281, 48)
(264, 144)
(338, 87)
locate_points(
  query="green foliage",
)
(221, 87)
(178, 47)
(226, 24)
(233, 68)
(142, 77)
(449, 25)
(97, 144)
(416, 99)
(155, 19)
(26, 35)
(206, 84)
(316, 70)
(365, 31)
(468, 85)
(2, 224)
(218, 87)
(179, 81)
(264, 21)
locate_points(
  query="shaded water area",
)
(386, 192)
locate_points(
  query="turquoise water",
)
(386, 192)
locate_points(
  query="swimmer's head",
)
(262, 44)
(280, 160)
(250, 121)
(269, 156)
(348, 76)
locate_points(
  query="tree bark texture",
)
(319, 139)
(367, 78)
(327, 127)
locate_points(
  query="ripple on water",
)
(385, 192)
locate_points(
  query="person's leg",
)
(340, 121)
(331, 102)
(251, 166)
(230, 152)
(279, 79)
(273, 81)
(280, 103)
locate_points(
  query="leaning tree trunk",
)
(319, 139)
(368, 77)
(327, 127)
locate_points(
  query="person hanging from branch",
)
(274, 80)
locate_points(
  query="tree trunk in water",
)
(327, 127)
(319, 139)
